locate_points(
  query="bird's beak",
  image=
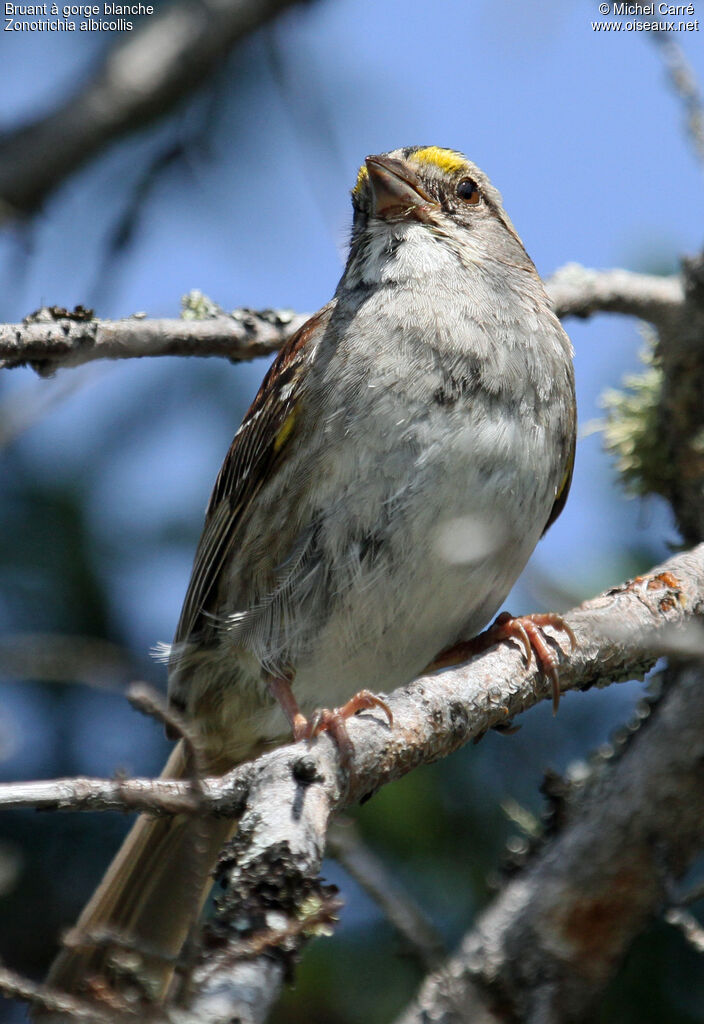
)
(396, 189)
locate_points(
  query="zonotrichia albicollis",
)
(403, 456)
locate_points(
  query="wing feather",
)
(564, 488)
(258, 444)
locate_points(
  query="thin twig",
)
(684, 82)
(412, 924)
(21, 410)
(150, 702)
(687, 923)
(153, 796)
(66, 658)
(14, 986)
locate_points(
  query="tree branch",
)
(680, 413)
(273, 899)
(684, 83)
(578, 291)
(547, 945)
(285, 799)
(620, 635)
(282, 830)
(49, 340)
(58, 341)
(671, 432)
(142, 78)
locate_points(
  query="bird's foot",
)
(528, 631)
(332, 720)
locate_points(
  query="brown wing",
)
(253, 454)
(564, 488)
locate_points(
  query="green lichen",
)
(317, 913)
(631, 430)
(197, 306)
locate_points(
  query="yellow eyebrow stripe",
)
(446, 159)
(362, 175)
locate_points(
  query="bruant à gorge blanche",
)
(79, 10)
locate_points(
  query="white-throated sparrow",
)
(403, 456)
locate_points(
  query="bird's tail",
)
(148, 900)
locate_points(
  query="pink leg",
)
(281, 690)
(325, 720)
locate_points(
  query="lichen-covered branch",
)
(620, 634)
(56, 338)
(56, 341)
(680, 414)
(285, 799)
(59, 338)
(281, 834)
(668, 442)
(547, 945)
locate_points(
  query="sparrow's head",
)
(440, 192)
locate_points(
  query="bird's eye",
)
(468, 190)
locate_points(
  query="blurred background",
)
(242, 190)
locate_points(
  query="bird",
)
(405, 452)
